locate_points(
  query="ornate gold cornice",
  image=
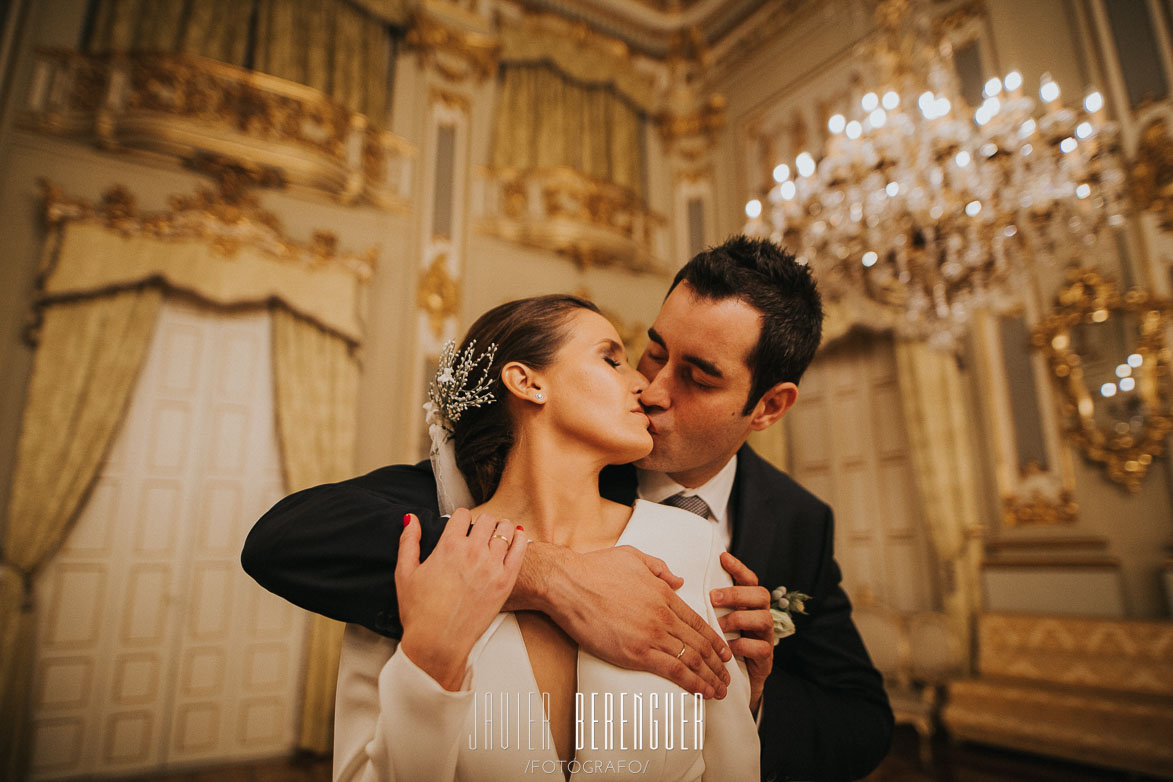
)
(705, 124)
(185, 106)
(1037, 510)
(228, 218)
(457, 54)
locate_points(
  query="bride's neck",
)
(553, 492)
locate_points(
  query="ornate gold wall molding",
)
(228, 218)
(182, 106)
(438, 294)
(456, 52)
(1152, 172)
(591, 222)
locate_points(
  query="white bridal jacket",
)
(394, 722)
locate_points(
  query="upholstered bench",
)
(1097, 691)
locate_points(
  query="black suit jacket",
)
(332, 550)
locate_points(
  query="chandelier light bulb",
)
(1108, 390)
(870, 258)
(1068, 145)
(781, 172)
(753, 209)
(925, 101)
(1083, 130)
(890, 100)
(870, 101)
(853, 130)
(962, 159)
(973, 208)
(1083, 191)
(1135, 360)
(877, 118)
(787, 190)
(836, 123)
(1049, 90)
(1123, 370)
(805, 164)
(993, 87)
(892, 189)
(1127, 384)
(941, 106)
(1027, 128)
(1012, 81)
(1093, 102)
(992, 105)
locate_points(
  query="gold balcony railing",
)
(188, 107)
(594, 223)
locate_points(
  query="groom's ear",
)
(521, 381)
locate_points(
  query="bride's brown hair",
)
(529, 331)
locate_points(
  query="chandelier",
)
(922, 209)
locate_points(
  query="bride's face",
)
(593, 393)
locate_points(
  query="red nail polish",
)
(521, 528)
(406, 519)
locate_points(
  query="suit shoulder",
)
(771, 485)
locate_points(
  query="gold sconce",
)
(1110, 362)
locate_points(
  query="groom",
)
(739, 326)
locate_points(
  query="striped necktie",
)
(690, 503)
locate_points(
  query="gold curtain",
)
(342, 48)
(316, 386)
(86, 364)
(546, 119)
(938, 419)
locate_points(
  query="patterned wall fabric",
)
(339, 47)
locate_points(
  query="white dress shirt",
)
(716, 492)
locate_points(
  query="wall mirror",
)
(1109, 357)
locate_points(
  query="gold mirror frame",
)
(1090, 298)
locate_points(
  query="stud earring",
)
(541, 397)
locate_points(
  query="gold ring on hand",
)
(499, 537)
(680, 654)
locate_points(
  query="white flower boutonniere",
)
(782, 605)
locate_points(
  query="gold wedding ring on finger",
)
(680, 654)
(499, 537)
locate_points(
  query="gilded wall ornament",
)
(458, 54)
(1152, 172)
(438, 294)
(1110, 364)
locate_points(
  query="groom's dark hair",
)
(772, 281)
(530, 331)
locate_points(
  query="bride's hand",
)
(446, 602)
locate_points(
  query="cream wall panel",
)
(848, 447)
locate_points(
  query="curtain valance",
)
(589, 59)
(112, 247)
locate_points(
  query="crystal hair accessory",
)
(451, 392)
(449, 395)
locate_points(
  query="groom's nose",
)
(657, 393)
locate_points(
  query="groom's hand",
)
(619, 605)
(751, 617)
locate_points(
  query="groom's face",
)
(699, 380)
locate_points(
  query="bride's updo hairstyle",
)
(529, 331)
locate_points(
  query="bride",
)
(538, 400)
